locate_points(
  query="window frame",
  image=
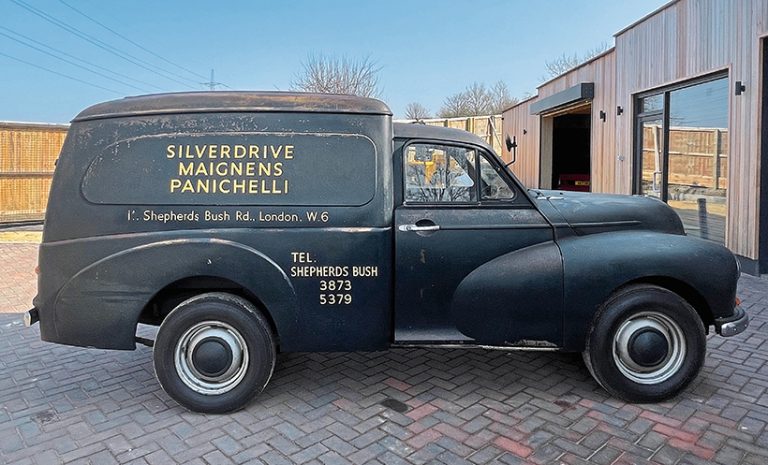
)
(480, 151)
(663, 114)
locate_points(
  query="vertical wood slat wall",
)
(601, 71)
(27, 156)
(683, 40)
(524, 127)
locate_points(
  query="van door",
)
(462, 214)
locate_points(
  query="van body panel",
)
(462, 253)
(106, 169)
(100, 305)
(118, 232)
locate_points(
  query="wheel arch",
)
(103, 303)
(170, 296)
(681, 288)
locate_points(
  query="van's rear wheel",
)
(214, 353)
(646, 345)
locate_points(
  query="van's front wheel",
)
(214, 352)
(646, 345)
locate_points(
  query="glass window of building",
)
(682, 153)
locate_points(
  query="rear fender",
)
(100, 306)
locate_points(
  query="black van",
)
(246, 224)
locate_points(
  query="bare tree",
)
(500, 98)
(338, 75)
(454, 105)
(477, 100)
(567, 62)
(417, 111)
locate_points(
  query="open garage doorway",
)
(565, 148)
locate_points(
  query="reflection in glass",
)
(651, 160)
(652, 103)
(698, 157)
(492, 186)
(436, 173)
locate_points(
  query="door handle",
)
(417, 228)
(421, 226)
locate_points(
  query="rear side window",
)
(440, 174)
(235, 169)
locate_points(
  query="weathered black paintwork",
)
(528, 272)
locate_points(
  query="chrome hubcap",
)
(211, 357)
(649, 348)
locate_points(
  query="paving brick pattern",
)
(71, 405)
(18, 282)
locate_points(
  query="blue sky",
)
(427, 50)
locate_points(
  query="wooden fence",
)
(698, 157)
(487, 128)
(27, 155)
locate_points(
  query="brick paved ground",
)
(65, 404)
(18, 282)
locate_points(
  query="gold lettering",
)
(288, 152)
(186, 170)
(278, 169)
(239, 151)
(170, 151)
(222, 169)
(188, 187)
(175, 184)
(201, 171)
(224, 151)
(253, 151)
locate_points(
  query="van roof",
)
(208, 102)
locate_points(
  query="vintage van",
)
(246, 224)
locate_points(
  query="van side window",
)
(440, 174)
(492, 185)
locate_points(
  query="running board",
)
(431, 336)
(532, 348)
(451, 338)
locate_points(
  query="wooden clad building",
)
(28, 152)
(677, 110)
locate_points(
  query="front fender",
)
(514, 299)
(101, 304)
(595, 266)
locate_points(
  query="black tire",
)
(218, 327)
(646, 344)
